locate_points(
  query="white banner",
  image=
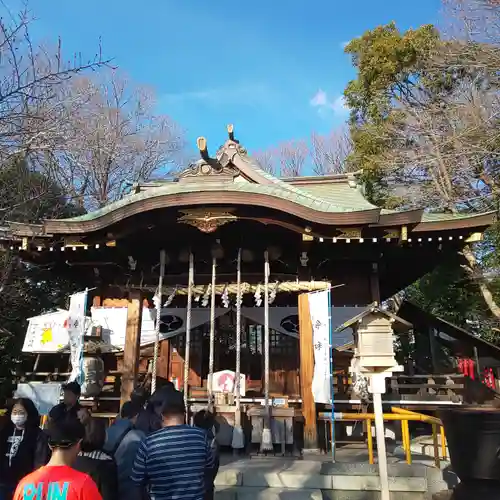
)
(319, 309)
(47, 332)
(44, 395)
(76, 331)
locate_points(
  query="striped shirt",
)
(171, 462)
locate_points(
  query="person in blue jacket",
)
(122, 442)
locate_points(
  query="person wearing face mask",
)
(23, 446)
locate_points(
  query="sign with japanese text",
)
(76, 331)
(319, 310)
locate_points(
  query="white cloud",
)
(323, 103)
(340, 106)
(319, 99)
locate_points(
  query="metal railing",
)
(405, 417)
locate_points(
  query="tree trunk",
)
(476, 273)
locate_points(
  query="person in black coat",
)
(94, 462)
(70, 406)
(23, 445)
(150, 419)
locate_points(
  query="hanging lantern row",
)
(64, 248)
(247, 255)
(387, 240)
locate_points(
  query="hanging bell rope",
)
(157, 302)
(212, 335)
(238, 332)
(266, 441)
(238, 441)
(188, 331)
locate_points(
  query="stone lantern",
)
(375, 360)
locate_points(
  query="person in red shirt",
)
(58, 480)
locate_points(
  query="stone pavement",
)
(316, 477)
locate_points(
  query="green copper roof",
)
(339, 193)
(279, 190)
(438, 217)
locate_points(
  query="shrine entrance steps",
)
(319, 479)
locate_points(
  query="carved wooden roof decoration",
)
(235, 179)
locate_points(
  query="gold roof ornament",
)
(207, 221)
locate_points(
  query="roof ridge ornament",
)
(230, 133)
(201, 142)
(207, 167)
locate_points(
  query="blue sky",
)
(276, 70)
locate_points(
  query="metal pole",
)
(188, 331)
(81, 376)
(381, 451)
(158, 302)
(332, 386)
(212, 335)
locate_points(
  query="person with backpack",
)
(122, 442)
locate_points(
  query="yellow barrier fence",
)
(405, 417)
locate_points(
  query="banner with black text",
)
(319, 310)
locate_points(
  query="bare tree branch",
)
(329, 152)
(266, 159)
(109, 138)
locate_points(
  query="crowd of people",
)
(148, 453)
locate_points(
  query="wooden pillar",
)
(163, 364)
(306, 374)
(132, 346)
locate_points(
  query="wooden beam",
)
(163, 364)
(132, 346)
(306, 374)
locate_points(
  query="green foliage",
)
(404, 81)
(447, 293)
(390, 64)
(29, 196)
(26, 290)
